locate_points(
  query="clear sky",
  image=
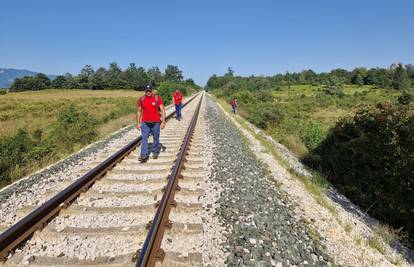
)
(205, 37)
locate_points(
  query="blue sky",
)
(205, 37)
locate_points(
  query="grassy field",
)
(306, 106)
(38, 109)
(38, 128)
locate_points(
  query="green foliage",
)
(401, 78)
(334, 86)
(38, 82)
(264, 115)
(312, 135)
(405, 98)
(166, 89)
(3, 92)
(73, 127)
(20, 149)
(173, 74)
(114, 77)
(370, 158)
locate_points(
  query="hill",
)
(7, 76)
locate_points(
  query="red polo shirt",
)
(178, 98)
(150, 111)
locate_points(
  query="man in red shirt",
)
(178, 100)
(149, 122)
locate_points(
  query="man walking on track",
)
(178, 100)
(149, 121)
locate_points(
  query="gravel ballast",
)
(261, 229)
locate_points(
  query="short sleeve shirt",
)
(150, 111)
(178, 98)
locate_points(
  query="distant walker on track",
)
(178, 100)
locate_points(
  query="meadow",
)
(38, 128)
(309, 113)
(38, 109)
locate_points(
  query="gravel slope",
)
(260, 227)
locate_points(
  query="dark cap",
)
(148, 87)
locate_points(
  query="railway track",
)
(124, 207)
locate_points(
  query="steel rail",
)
(151, 251)
(39, 217)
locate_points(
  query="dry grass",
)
(329, 116)
(295, 145)
(37, 109)
(116, 124)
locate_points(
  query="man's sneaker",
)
(154, 155)
(143, 159)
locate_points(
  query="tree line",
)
(133, 77)
(398, 76)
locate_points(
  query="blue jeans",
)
(145, 132)
(234, 108)
(178, 110)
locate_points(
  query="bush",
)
(405, 98)
(370, 158)
(334, 87)
(3, 92)
(73, 127)
(264, 115)
(21, 149)
(312, 135)
(166, 89)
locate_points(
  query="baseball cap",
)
(148, 87)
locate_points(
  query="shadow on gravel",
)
(347, 205)
(162, 147)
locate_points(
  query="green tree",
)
(113, 77)
(135, 77)
(154, 76)
(173, 74)
(358, 76)
(97, 79)
(59, 82)
(230, 72)
(71, 81)
(401, 81)
(84, 77)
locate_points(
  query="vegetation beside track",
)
(359, 137)
(42, 127)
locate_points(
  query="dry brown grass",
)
(295, 145)
(116, 124)
(327, 117)
(38, 109)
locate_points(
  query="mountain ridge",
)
(8, 75)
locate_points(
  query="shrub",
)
(21, 149)
(264, 115)
(334, 87)
(312, 135)
(245, 97)
(166, 89)
(3, 92)
(370, 158)
(405, 98)
(263, 96)
(73, 127)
